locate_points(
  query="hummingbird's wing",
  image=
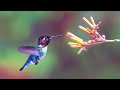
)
(32, 50)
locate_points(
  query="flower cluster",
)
(97, 38)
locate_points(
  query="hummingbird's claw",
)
(36, 62)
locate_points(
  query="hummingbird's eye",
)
(45, 39)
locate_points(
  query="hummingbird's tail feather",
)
(28, 62)
(21, 69)
(24, 66)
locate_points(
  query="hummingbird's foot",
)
(36, 62)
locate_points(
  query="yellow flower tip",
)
(75, 38)
(84, 18)
(72, 43)
(76, 46)
(78, 41)
(81, 27)
(86, 30)
(69, 34)
(90, 31)
(92, 20)
(88, 22)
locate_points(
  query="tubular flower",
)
(78, 42)
(97, 38)
(75, 38)
(94, 27)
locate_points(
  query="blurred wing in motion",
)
(29, 50)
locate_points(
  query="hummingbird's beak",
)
(55, 36)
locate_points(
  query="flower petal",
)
(88, 22)
(76, 46)
(92, 20)
(86, 30)
(72, 43)
(75, 38)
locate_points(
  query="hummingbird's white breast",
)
(42, 52)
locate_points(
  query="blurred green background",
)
(61, 62)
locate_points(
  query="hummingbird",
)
(36, 53)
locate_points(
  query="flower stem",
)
(94, 43)
(105, 41)
(83, 48)
(115, 40)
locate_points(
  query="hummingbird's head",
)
(44, 40)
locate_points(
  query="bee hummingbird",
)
(37, 53)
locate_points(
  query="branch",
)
(94, 43)
(115, 40)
